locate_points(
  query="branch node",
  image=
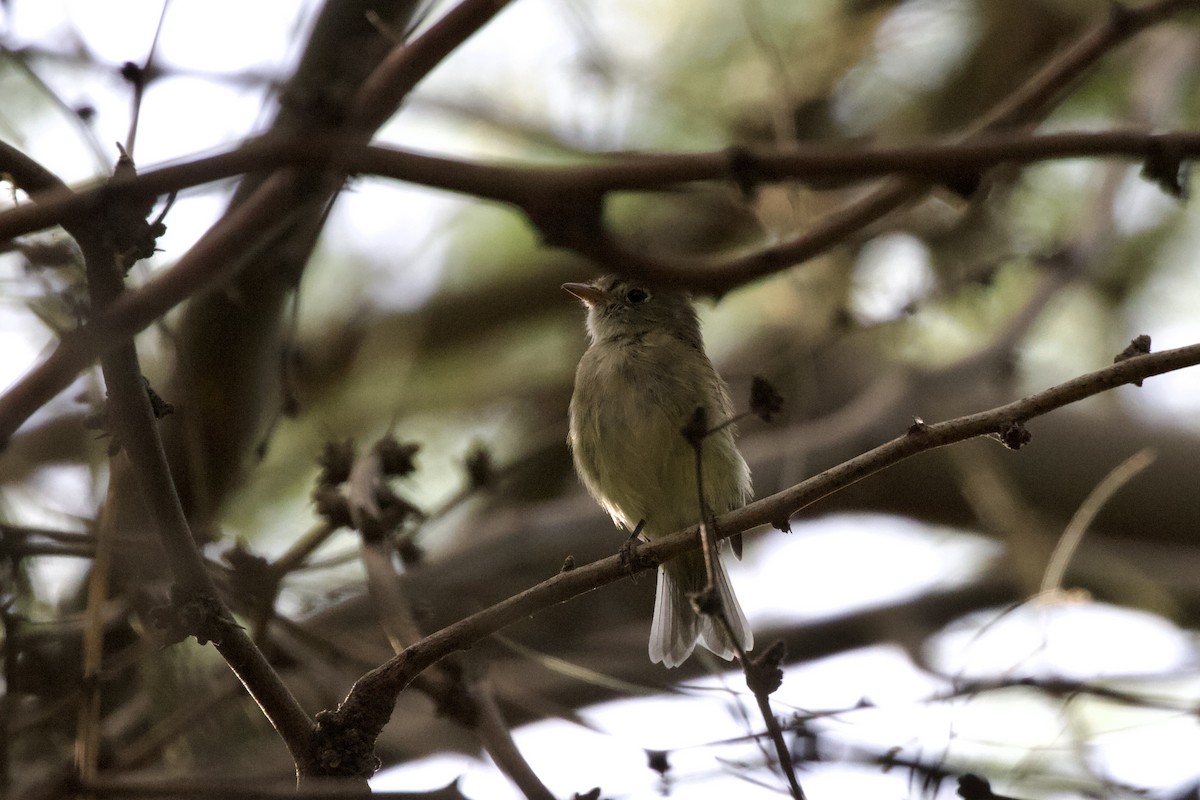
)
(134, 74)
(159, 406)
(919, 427)
(127, 230)
(765, 401)
(332, 506)
(1014, 435)
(190, 613)
(343, 748)
(336, 461)
(745, 170)
(1139, 346)
(657, 761)
(397, 458)
(764, 673)
(251, 576)
(975, 787)
(1165, 168)
(102, 422)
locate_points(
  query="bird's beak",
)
(585, 291)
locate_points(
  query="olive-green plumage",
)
(637, 386)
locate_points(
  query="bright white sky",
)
(822, 565)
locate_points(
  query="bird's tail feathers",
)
(677, 627)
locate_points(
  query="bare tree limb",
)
(533, 188)
(368, 706)
(219, 253)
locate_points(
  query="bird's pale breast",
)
(627, 440)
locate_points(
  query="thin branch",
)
(783, 755)
(368, 706)
(87, 736)
(1126, 471)
(408, 64)
(493, 730)
(138, 78)
(762, 677)
(298, 553)
(136, 426)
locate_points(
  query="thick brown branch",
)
(530, 188)
(216, 255)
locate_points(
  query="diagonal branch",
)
(367, 707)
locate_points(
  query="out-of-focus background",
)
(921, 641)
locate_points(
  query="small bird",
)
(640, 382)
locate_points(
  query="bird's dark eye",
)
(637, 296)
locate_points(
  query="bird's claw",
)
(629, 554)
(631, 559)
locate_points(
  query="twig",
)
(763, 676)
(18, 542)
(296, 556)
(408, 64)
(492, 729)
(694, 433)
(1082, 519)
(87, 737)
(137, 77)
